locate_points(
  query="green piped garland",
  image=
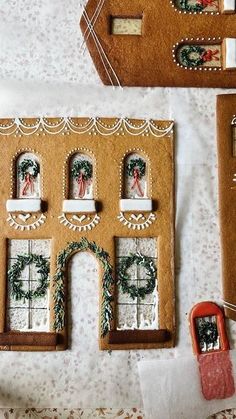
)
(16, 283)
(24, 167)
(194, 8)
(107, 282)
(136, 164)
(124, 277)
(207, 333)
(83, 167)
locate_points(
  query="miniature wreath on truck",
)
(16, 284)
(82, 172)
(124, 277)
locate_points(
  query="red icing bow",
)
(210, 55)
(206, 3)
(136, 183)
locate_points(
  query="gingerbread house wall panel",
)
(143, 60)
(113, 139)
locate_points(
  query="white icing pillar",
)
(229, 53)
(227, 6)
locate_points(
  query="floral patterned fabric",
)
(90, 414)
(71, 414)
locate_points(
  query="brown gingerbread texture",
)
(151, 58)
(226, 123)
(107, 141)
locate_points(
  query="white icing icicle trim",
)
(33, 226)
(141, 226)
(80, 228)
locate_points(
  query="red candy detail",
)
(216, 372)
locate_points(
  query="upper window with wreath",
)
(136, 183)
(26, 184)
(79, 191)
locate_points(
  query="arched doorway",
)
(60, 285)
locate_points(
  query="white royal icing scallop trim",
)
(79, 205)
(190, 41)
(172, 3)
(23, 205)
(92, 126)
(64, 220)
(139, 226)
(233, 122)
(33, 226)
(136, 205)
(230, 53)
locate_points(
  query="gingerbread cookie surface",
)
(60, 197)
(131, 46)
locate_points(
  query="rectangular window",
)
(126, 26)
(141, 311)
(208, 335)
(25, 314)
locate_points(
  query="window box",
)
(79, 205)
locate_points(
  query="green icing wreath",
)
(194, 8)
(187, 60)
(207, 333)
(25, 166)
(83, 167)
(124, 277)
(14, 277)
(136, 164)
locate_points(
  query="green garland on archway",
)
(83, 167)
(124, 277)
(16, 284)
(187, 60)
(136, 164)
(25, 166)
(107, 283)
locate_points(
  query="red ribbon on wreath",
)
(136, 183)
(210, 55)
(206, 3)
(82, 185)
(28, 184)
